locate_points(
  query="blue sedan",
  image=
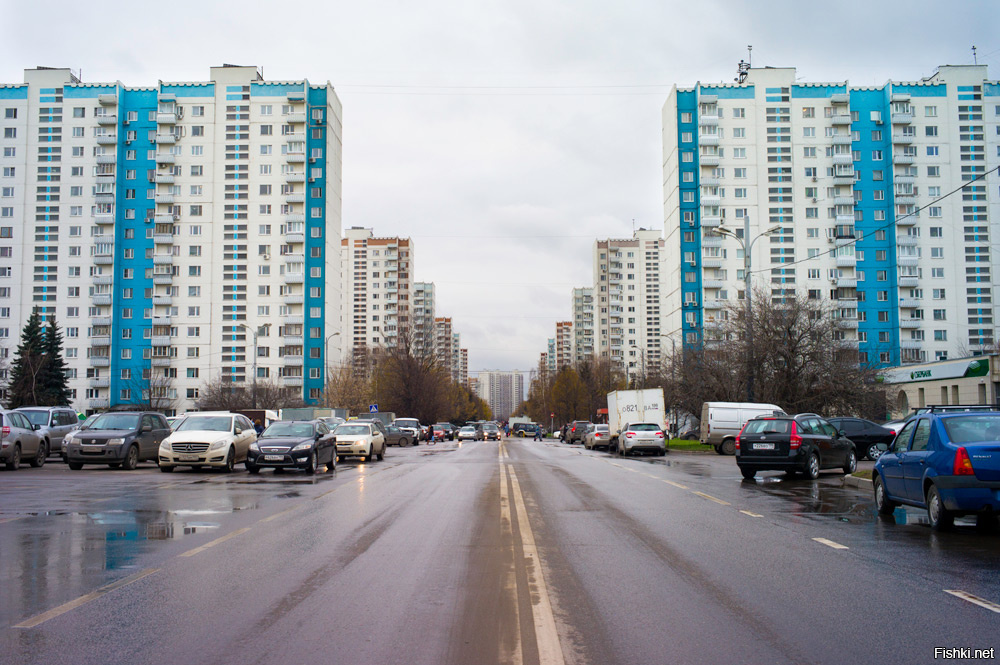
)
(947, 463)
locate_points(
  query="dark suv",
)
(576, 430)
(804, 442)
(118, 439)
(870, 440)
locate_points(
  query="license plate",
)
(187, 458)
(273, 458)
(763, 446)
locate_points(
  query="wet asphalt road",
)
(521, 552)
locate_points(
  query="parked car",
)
(642, 437)
(803, 443)
(395, 436)
(946, 463)
(214, 439)
(490, 432)
(576, 430)
(293, 444)
(870, 439)
(444, 431)
(359, 439)
(469, 433)
(598, 436)
(722, 421)
(19, 440)
(54, 423)
(118, 439)
(411, 425)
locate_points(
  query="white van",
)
(722, 421)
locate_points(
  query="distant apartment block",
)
(564, 344)
(423, 319)
(583, 324)
(502, 391)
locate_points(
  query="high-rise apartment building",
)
(583, 324)
(378, 289)
(179, 233)
(502, 391)
(564, 344)
(627, 299)
(854, 196)
(423, 319)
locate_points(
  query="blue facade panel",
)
(742, 92)
(816, 91)
(14, 92)
(934, 90)
(263, 89)
(189, 90)
(314, 348)
(687, 103)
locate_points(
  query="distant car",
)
(642, 437)
(54, 423)
(947, 463)
(598, 436)
(490, 432)
(412, 425)
(870, 440)
(895, 425)
(19, 440)
(803, 443)
(445, 431)
(293, 444)
(359, 439)
(118, 439)
(576, 430)
(395, 436)
(469, 433)
(333, 421)
(209, 438)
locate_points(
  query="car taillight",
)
(5, 431)
(597, 435)
(629, 435)
(738, 437)
(795, 441)
(659, 435)
(963, 465)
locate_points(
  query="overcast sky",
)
(502, 137)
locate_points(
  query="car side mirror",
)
(842, 433)
(36, 427)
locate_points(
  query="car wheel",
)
(883, 504)
(939, 517)
(43, 452)
(381, 455)
(812, 467)
(851, 463)
(253, 469)
(166, 469)
(718, 450)
(313, 463)
(873, 452)
(131, 458)
(368, 457)
(748, 473)
(728, 446)
(331, 466)
(75, 466)
(230, 461)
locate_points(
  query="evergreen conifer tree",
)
(26, 376)
(55, 386)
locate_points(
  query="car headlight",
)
(116, 442)
(221, 443)
(165, 447)
(305, 445)
(72, 440)
(254, 447)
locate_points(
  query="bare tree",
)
(223, 395)
(347, 389)
(149, 390)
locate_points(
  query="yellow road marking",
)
(510, 574)
(747, 512)
(215, 542)
(975, 600)
(677, 485)
(711, 498)
(73, 604)
(830, 543)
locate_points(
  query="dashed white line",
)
(830, 543)
(215, 542)
(73, 604)
(975, 600)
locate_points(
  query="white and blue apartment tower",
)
(859, 182)
(163, 226)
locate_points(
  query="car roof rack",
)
(944, 408)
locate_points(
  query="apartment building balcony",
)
(842, 139)
(841, 119)
(708, 119)
(902, 178)
(708, 139)
(847, 261)
(107, 119)
(847, 323)
(100, 361)
(162, 299)
(909, 281)
(107, 139)
(712, 221)
(712, 284)
(904, 160)
(164, 198)
(165, 158)
(294, 277)
(709, 182)
(297, 157)
(712, 324)
(909, 303)
(711, 241)
(105, 259)
(292, 320)
(295, 177)
(108, 99)
(166, 138)
(843, 159)
(160, 340)
(293, 340)
(715, 303)
(99, 381)
(295, 118)
(295, 197)
(104, 197)
(107, 159)
(166, 118)
(104, 280)
(98, 402)
(844, 178)
(293, 299)
(165, 218)
(162, 279)
(708, 160)
(292, 381)
(711, 262)
(159, 361)
(106, 178)
(909, 220)
(165, 97)
(296, 218)
(708, 99)
(847, 283)
(908, 261)
(163, 238)
(163, 259)
(903, 139)
(101, 321)
(909, 324)
(163, 179)
(902, 118)
(104, 220)
(100, 340)
(101, 298)
(904, 240)
(843, 200)
(905, 197)
(710, 199)
(292, 361)
(840, 98)
(295, 238)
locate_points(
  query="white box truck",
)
(722, 421)
(634, 406)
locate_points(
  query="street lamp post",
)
(642, 365)
(326, 350)
(254, 331)
(673, 380)
(747, 244)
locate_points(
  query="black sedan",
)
(871, 440)
(293, 444)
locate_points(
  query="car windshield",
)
(644, 427)
(345, 430)
(409, 422)
(468, 428)
(491, 428)
(36, 417)
(115, 421)
(601, 428)
(288, 429)
(206, 423)
(969, 429)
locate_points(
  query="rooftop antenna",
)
(975, 59)
(743, 68)
(633, 226)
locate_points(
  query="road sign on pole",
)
(373, 408)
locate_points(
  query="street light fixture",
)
(254, 331)
(642, 357)
(326, 350)
(747, 246)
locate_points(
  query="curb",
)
(860, 483)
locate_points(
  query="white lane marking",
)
(215, 542)
(711, 498)
(975, 600)
(549, 649)
(830, 543)
(747, 512)
(73, 604)
(510, 574)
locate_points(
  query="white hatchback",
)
(219, 440)
(359, 439)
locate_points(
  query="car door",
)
(244, 435)
(29, 435)
(63, 423)
(819, 439)
(914, 461)
(147, 434)
(839, 445)
(892, 462)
